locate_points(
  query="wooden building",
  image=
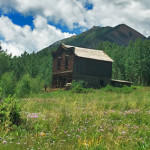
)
(75, 63)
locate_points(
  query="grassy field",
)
(98, 120)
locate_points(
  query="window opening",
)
(58, 63)
(66, 62)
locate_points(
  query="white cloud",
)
(111, 13)
(67, 11)
(18, 39)
(12, 48)
(135, 13)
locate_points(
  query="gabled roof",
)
(121, 81)
(89, 53)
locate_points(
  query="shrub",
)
(80, 87)
(9, 112)
(108, 88)
(124, 89)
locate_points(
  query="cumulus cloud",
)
(68, 12)
(73, 14)
(135, 13)
(18, 39)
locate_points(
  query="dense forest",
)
(132, 63)
(31, 72)
(26, 73)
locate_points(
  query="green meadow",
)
(95, 120)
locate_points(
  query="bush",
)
(80, 87)
(9, 112)
(124, 89)
(108, 88)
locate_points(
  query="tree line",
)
(31, 72)
(25, 74)
(132, 63)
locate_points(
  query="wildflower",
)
(65, 131)
(92, 140)
(142, 142)
(101, 130)
(85, 142)
(128, 125)
(79, 141)
(36, 134)
(4, 142)
(42, 134)
(99, 139)
(18, 143)
(110, 128)
(33, 115)
(123, 132)
(7, 130)
(148, 111)
(63, 140)
(78, 136)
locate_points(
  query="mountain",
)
(121, 34)
(126, 58)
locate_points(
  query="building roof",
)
(121, 81)
(89, 53)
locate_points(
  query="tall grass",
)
(99, 120)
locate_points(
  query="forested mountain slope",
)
(128, 48)
(121, 35)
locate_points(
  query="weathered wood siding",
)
(91, 67)
(95, 72)
(61, 54)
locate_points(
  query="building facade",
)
(76, 63)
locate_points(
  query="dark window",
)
(58, 63)
(66, 62)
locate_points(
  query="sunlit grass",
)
(95, 120)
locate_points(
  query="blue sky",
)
(20, 19)
(33, 25)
